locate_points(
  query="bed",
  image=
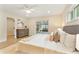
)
(40, 40)
(68, 44)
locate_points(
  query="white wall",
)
(2, 27)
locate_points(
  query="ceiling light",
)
(32, 9)
(28, 11)
(48, 11)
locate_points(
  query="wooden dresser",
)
(22, 33)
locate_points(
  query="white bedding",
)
(41, 40)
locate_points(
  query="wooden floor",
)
(19, 48)
(10, 40)
(12, 46)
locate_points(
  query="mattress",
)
(41, 40)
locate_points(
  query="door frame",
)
(13, 25)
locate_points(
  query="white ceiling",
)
(39, 9)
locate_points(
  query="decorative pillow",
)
(51, 33)
(56, 37)
(62, 35)
(51, 37)
(69, 42)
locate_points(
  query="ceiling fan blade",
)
(27, 6)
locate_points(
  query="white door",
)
(10, 26)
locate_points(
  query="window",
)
(77, 10)
(73, 15)
(68, 18)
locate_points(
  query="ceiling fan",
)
(28, 7)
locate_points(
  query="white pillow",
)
(69, 42)
(51, 33)
(62, 35)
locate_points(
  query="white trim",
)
(77, 41)
(15, 28)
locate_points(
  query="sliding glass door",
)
(41, 26)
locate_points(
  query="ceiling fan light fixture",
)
(48, 11)
(28, 11)
(32, 9)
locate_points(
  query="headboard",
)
(71, 29)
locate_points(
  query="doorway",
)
(10, 29)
